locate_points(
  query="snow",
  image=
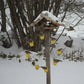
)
(13, 50)
(65, 72)
(77, 33)
(13, 72)
(53, 17)
(70, 20)
(68, 73)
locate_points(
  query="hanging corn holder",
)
(42, 37)
(27, 55)
(31, 43)
(53, 40)
(59, 51)
(54, 62)
(36, 67)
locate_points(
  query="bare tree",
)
(3, 16)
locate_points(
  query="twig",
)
(60, 34)
(78, 22)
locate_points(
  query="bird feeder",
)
(59, 51)
(31, 43)
(42, 37)
(45, 24)
(36, 67)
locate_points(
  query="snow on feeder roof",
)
(46, 16)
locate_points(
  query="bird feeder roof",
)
(47, 16)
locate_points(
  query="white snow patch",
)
(53, 17)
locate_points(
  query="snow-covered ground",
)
(13, 72)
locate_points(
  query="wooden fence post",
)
(47, 55)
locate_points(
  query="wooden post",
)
(47, 55)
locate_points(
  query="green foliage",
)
(11, 56)
(2, 55)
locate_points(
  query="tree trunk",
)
(9, 38)
(3, 16)
(29, 10)
(57, 7)
(51, 5)
(47, 55)
(16, 21)
(20, 11)
(46, 5)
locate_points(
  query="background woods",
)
(23, 12)
(36, 25)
